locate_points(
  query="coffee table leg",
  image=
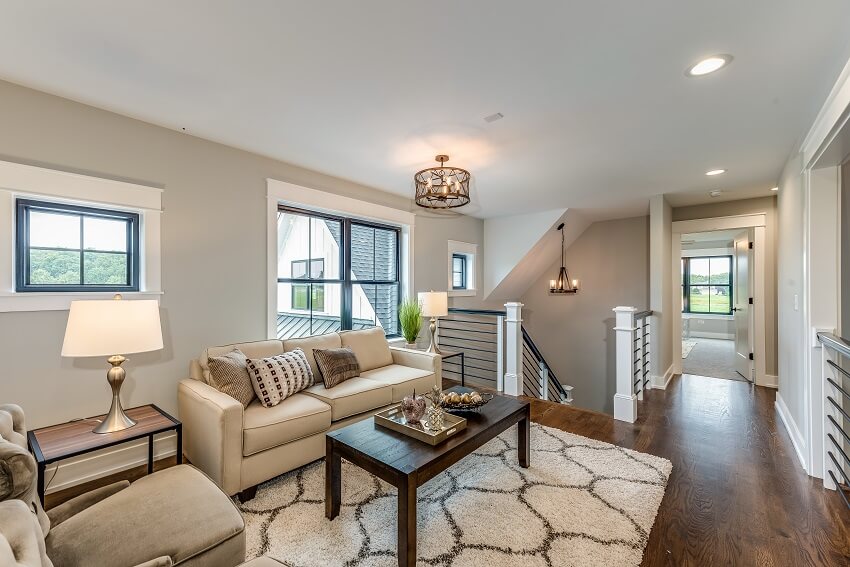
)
(406, 522)
(524, 438)
(333, 480)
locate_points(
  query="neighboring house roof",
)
(290, 325)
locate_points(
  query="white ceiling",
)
(598, 112)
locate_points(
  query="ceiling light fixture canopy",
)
(713, 172)
(708, 65)
(563, 284)
(442, 187)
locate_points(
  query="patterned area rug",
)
(582, 502)
(687, 346)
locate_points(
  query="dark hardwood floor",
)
(737, 494)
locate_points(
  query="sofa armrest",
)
(418, 359)
(76, 505)
(212, 432)
(164, 561)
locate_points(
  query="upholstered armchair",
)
(176, 516)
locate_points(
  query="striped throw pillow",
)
(277, 377)
(336, 365)
(229, 375)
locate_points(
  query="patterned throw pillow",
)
(336, 365)
(276, 378)
(229, 375)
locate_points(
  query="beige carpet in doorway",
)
(581, 503)
(687, 346)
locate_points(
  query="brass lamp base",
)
(116, 419)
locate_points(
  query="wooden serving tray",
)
(393, 418)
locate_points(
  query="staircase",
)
(498, 353)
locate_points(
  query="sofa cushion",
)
(180, 511)
(295, 417)
(256, 349)
(336, 365)
(229, 375)
(277, 377)
(370, 347)
(402, 379)
(307, 344)
(352, 396)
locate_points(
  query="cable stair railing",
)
(498, 353)
(836, 422)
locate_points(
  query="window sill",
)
(56, 301)
(462, 292)
(707, 316)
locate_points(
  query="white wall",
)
(660, 287)
(213, 241)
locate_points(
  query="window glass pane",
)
(299, 269)
(52, 230)
(457, 280)
(719, 299)
(362, 252)
(324, 248)
(104, 268)
(720, 267)
(54, 267)
(699, 272)
(375, 305)
(699, 299)
(293, 244)
(293, 320)
(104, 234)
(385, 255)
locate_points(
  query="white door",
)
(742, 260)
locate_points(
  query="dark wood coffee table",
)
(407, 463)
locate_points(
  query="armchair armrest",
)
(76, 505)
(418, 359)
(212, 432)
(164, 561)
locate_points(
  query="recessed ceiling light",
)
(712, 172)
(708, 65)
(715, 193)
(774, 188)
(494, 117)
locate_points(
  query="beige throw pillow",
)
(229, 375)
(277, 377)
(336, 365)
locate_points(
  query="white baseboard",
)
(771, 381)
(72, 472)
(661, 382)
(791, 428)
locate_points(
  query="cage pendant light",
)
(563, 284)
(442, 187)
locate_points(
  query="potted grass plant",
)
(410, 316)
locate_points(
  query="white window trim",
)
(19, 180)
(283, 193)
(471, 252)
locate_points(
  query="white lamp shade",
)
(112, 326)
(434, 303)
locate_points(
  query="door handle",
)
(735, 309)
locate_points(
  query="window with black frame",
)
(335, 273)
(459, 280)
(707, 285)
(64, 247)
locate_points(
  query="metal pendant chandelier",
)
(563, 284)
(442, 187)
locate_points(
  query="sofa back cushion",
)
(369, 346)
(256, 349)
(307, 344)
(275, 378)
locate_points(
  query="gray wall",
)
(213, 242)
(661, 285)
(575, 332)
(765, 205)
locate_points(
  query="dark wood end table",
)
(407, 463)
(65, 440)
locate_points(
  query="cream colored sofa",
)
(240, 448)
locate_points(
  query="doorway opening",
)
(716, 292)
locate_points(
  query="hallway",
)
(737, 494)
(711, 357)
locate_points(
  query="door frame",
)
(757, 222)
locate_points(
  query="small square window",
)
(459, 272)
(62, 247)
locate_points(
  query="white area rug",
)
(581, 503)
(687, 346)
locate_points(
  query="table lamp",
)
(434, 304)
(113, 328)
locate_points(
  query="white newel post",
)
(513, 349)
(625, 401)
